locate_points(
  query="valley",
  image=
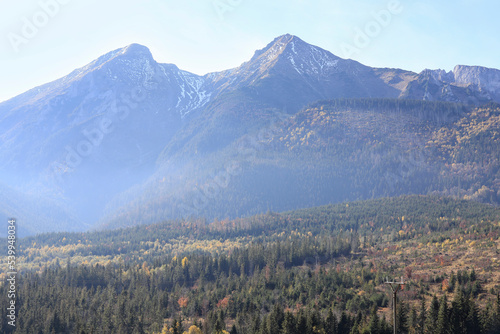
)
(313, 270)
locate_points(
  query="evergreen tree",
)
(495, 323)
(452, 282)
(413, 319)
(314, 321)
(276, 319)
(432, 316)
(420, 328)
(264, 327)
(256, 323)
(331, 325)
(289, 324)
(385, 326)
(220, 324)
(472, 323)
(374, 324)
(344, 324)
(472, 275)
(443, 323)
(458, 313)
(302, 322)
(402, 318)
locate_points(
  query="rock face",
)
(482, 79)
(466, 84)
(82, 139)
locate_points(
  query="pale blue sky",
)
(197, 37)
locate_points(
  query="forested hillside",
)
(330, 152)
(317, 270)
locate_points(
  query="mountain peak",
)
(286, 38)
(298, 55)
(278, 45)
(135, 49)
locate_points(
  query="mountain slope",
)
(332, 151)
(98, 130)
(109, 132)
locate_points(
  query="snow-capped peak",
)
(303, 57)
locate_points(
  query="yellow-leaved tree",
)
(193, 330)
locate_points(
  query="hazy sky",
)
(42, 40)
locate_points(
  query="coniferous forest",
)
(317, 270)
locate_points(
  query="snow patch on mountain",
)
(311, 60)
(192, 91)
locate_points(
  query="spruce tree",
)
(385, 326)
(443, 323)
(458, 312)
(432, 317)
(413, 319)
(472, 323)
(420, 329)
(289, 324)
(402, 316)
(220, 325)
(374, 324)
(344, 323)
(276, 319)
(331, 325)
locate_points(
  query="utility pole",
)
(395, 286)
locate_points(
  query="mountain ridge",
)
(114, 123)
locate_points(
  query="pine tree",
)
(472, 275)
(458, 313)
(276, 319)
(452, 282)
(256, 323)
(264, 328)
(289, 324)
(496, 315)
(301, 322)
(413, 319)
(314, 321)
(472, 323)
(331, 325)
(432, 317)
(443, 323)
(420, 329)
(344, 323)
(220, 325)
(374, 324)
(402, 316)
(385, 327)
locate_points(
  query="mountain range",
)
(126, 140)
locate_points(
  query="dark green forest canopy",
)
(421, 211)
(315, 270)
